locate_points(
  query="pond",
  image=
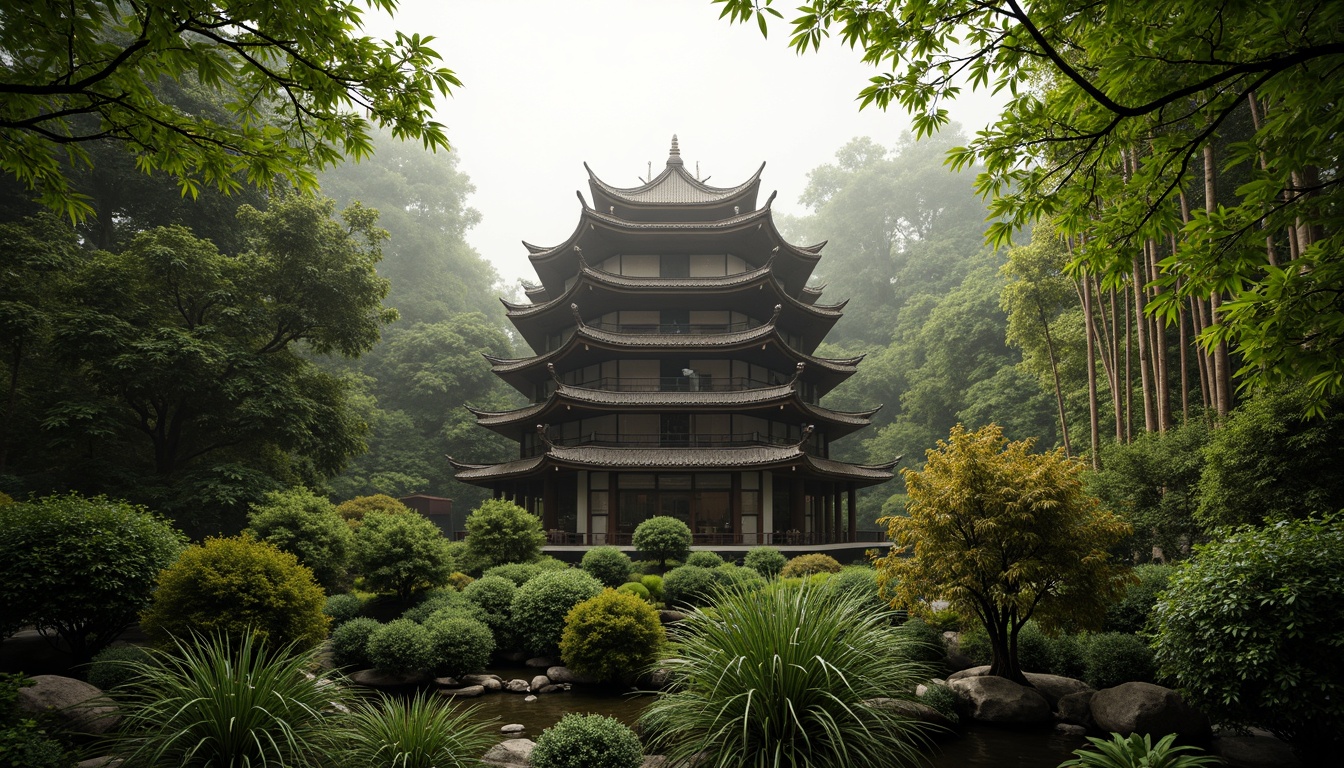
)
(977, 746)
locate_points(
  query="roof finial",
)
(674, 154)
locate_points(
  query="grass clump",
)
(423, 732)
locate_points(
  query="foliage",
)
(653, 583)
(663, 538)
(494, 594)
(943, 700)
(587, 741)
(114, 666)
(342, 608)
(689, 585)
(226, 701)
(1067, 655)
(704, 559)
(458, 645)
(540, 606)
(459, 580)
(1251, 630)
(1138, 751)
(612, 637)
(350, 643)
(401, 553)
(806, 565)
(24, 741)
(1112, 658)
(608, 565)
(1033, 648)
(500, 532)
(1005, 535)
(974, 645)
(302, 83)
(924, 643)
(862, 581)
(766, 561)
(521, 573)
(636, 589)
(401, 645)
(424, 731)
(782, 679)
(307, 526)
(80, 568)
(735, 575)
(1130, 613)
(352, 511)
(236, 588)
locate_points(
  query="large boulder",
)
(509, 753)
(538, 682)
(962, 674)
(1076, 708)
(1146, 708)
(79, 705)
(993, 699)
(567, 675)
(382, 679)
(1254, 752)
(517, 685)
(465, 692)
(1055, 687)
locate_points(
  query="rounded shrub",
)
(401, 553)
(350, 643)
(501, 532)
(425, 731)
(459, 581)
(1112, 658)
(459, 645)
(494, 595)
(689, 585)
(521, 573)
(663, 538)
(342, 608)
(861, 581)
(608, 565)
(539, 607)
(1066, 656)
(587, 741)
(728, 575)
(234, 587)
(653, 583)
(1033, 648)
(401, 645)
(116, 665)
(307, 526)
(942, 699)
(80, 568)
(806, 565)
(974, 645)
(611, 637)
(354, 510)
(636, 589)
(925, 644)
(1130, 613)
(434, 601)
(766, 561)
(703, 558)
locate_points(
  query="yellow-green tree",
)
(1005, 535)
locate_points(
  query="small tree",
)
(80, 569)
(401, 553)
(539, 607)
(608, 565)
(354, 510)
(767, 561)
(500, 532)
(611, 637)
(1005, 535)
(307, 526)
(663, 538)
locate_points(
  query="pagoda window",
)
(714, 374)
(639, 266)
(713, 428)
(641, 428)
(754, 428)
(708, 265)
(674, 265)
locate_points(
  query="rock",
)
(516, 685)
(509, 752)
(913, 710)
(921, 689)
(1000, 700)
(1054, 687)
(1069, 729)
(1076, 708)
(529, 697)
(670, 617)
(539, 682)
(79, 705)
(448, 682)
(1254, 752)
(539, 662)
(491, 684)
(550, 689)
(567, 675)
(481, 680)
(513, 728)
(376, 678)
(979, 671)
(658, 679)
(465, 692)
(105, 761)
(1146, 708)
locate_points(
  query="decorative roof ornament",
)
(674, 154)
(574, 310)
(545, 438)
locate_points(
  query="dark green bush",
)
(925, 644)
(862, 581)
(942, 699)
(653, 583)
(612, 637)
(636, 589)
(234, 587)
(433, 601)
(401, 553)
(974, 645)
(1033, 648)
(608, 565)
(587, 741)
(24, 742)
(806, 565)
(1066, 656)
(539, 607)
(663, 538)
(307, 526)
(458, 645)
(342, 608)
(500, 532)
(494, 595)
(1112, 658)
(114, 666)
(689, 585)
(704, 559)
(729, 575)
(521, 573)
(81, 568)
(401, 646)
(766, 561)
(1130, 613)
(350, 643)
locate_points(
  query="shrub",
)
(587, 741)
(80, 568)
(611, 637)
(766, 561)
(433, 601)
(458, 645)
(342, 608)
(235, 587)
(521, 573)
(608, 565)
(654, 584)
(761, 677)
(636, 589)
(704, 559)
(1130, 613)
(354, 510)
(1138, 751)
(227, 701)
(459, 581)
(689, 585)
(115, 666)
(728, 575)
(350, 643)
(494, 594)
(1033, 648)
(500, 532)
(425, 731)
(942, 699)
(401, 645)
(401, 553)
(1251, 629)
(806, 565)
(307, 526)
(663, 538)
(1112, 658)
(1066, 656)
(539, 607)
(862, 581)
(924, 644)
(974, 645)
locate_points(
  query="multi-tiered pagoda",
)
(674, 374)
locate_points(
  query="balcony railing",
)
(698, 383)
(790, 538)
(674, 328)
(675, 440)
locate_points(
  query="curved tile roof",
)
(674, 185)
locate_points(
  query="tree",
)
(301, 81)
(500, 532)
(401, 553)
(663, 538)
(612, 637)
(307, 526)
(1004, 535)
(352, 511)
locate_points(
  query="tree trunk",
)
(1093, 420)
(1003, 649)
(1222, 374)
(1054, 371)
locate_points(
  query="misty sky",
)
(550, 85)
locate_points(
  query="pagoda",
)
(674, 374)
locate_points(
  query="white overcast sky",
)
(550, 85)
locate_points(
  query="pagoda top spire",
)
(674, 154)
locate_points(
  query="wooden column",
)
(853, 513)
(797, 510)
(824, 516)
(837, 524)
(735, 506)
(548, 517)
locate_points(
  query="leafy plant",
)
(500, 532)
(350, 643)
(458, 645)
(587, 741)
(401, 645)
(704, 558)
(494, 594)
(942, 699)
(806, 565)
(425, 731)
(1112, 658)
(521, 573)
(1138, 751)
(24, 742)
(540, 606)
(767, 561)
(115, 666)
(653, 583)
(608, 565)
(636, 589)
(354, 510)
(1130, 613)
(342, 608)
(862, 581)
(689, 585)
(401, 553)
(611, 637)
(307, 526)
(781, 678)
(663, 538)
